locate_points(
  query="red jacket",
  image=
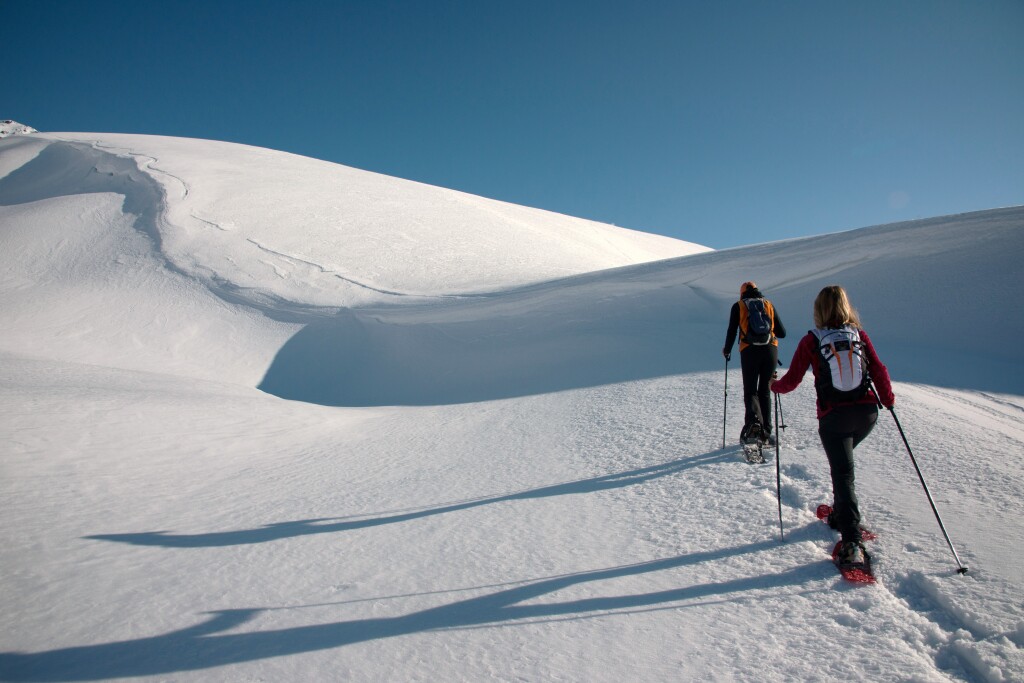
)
(807, 350)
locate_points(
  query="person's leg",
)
(865, 417)
(767, 362)
(840, 432)
(751, 369)
(845, 511)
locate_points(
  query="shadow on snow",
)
(527, 343)
(206, 645)
(274, 532)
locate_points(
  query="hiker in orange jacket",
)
(759, 356)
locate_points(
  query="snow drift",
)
(406, 294)
(666, 318)
(501, 454)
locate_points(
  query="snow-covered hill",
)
(501, 457)
(282, 227)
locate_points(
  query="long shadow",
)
(200, 647)
(274, 532)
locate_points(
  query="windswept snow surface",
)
(268, 418)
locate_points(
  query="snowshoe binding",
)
(824, 513)
(753, 440)
(853, 562)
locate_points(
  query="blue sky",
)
(724, 123)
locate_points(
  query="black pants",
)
(758, 364)
(840, 431)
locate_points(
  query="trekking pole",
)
(726, 407)
(778, 467)
(961, 568)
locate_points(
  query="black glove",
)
(728, 356)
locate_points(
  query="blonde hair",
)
(832, 309)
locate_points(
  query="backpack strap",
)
(744, 321)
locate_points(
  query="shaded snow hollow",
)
(501, 454)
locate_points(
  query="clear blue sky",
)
(720, 122)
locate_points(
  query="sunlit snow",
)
(271, 418)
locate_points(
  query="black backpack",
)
(759, 323)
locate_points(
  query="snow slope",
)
(501, 454)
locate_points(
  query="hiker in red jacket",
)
(840, 354)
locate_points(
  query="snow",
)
(269, 418)
(10, 127)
